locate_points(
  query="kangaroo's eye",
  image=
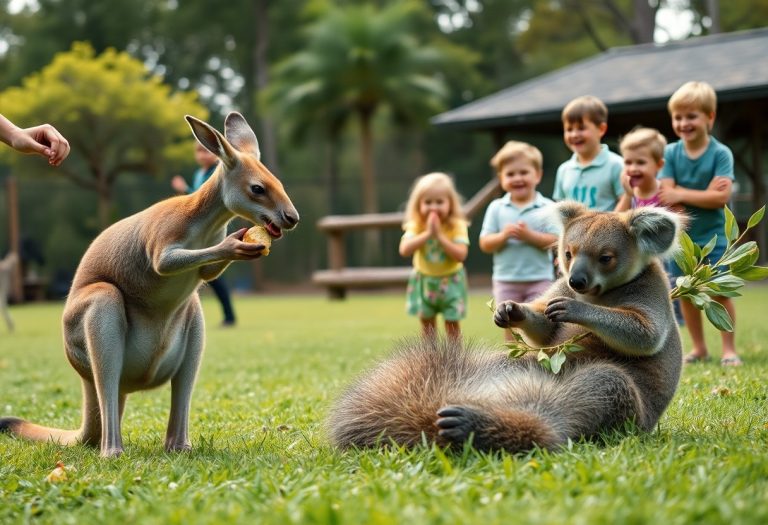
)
(567, 256)
(605, 259)
(258, 189)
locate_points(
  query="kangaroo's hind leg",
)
(95, 328)
(183, 381)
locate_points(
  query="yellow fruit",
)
(259, 235)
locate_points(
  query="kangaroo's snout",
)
(290, 218)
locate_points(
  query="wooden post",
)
(17, 288)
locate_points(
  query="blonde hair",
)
(586, 107)
(644, 138)
(432, 181)
(514, 149)
(694, 94)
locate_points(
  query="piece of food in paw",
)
(259, 235)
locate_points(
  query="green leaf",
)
(700, 300)
(726, 282)
(556, 361)
(745, 262)
(685, 261)
(707, 249)
(756, 217)
(731, 226)
(718, 316)
(686, 244)
(542, 356)
(516, 351)
(572, 348)
(491, 304)
(744, 250)
(545, 363)
(756, 273)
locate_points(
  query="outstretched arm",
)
(176, 259)
(44, 140)
(628, 330)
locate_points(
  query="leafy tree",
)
(117, 117)
(356, 61)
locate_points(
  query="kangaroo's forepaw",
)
(508, 314)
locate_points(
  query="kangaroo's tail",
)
(26, 430)
(447, 394)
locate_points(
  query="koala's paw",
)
(508, 314)
(562, 310)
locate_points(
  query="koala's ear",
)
(566, 211)
(655, 229)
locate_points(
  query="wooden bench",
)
(338, 278)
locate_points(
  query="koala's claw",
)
(508, 314)
(558, 309)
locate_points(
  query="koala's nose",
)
(578, 282)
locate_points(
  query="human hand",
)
(44, 140)
(433, 224)
(179, 185)
(517, 230)
(669, 196)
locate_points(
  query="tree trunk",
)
(644, 23)
(104, 193)
(713, 12)
(370, 204)
(371, 243)
(267, 140)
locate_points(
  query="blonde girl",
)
(436, 236)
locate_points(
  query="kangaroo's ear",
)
(656, 229)
(566, 211)
(240, 134)
(213, 141)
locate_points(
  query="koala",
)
(613, 288)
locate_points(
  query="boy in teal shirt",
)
(698, 174)
(592, 175)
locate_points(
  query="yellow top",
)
(431, 259)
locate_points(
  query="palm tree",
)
(356, 61)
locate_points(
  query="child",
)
(698, 174)
(514, 229)
(592, 175)
(643, 153)
(436, 236)
(207, 165)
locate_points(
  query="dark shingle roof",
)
(628, 79)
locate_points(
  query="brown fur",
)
(628, 372)
(133, 320)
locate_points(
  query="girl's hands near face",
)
(433, 223)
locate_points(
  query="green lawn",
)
(261, 456)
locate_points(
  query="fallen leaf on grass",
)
(58, 474)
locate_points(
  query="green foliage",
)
(704, 280)
(116, 115)
(261, 454)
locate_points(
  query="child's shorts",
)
(428, 296)
(518, 291)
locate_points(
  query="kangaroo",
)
(613, 287)
(132, 320)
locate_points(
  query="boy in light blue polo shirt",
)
(516, 229)
(592, 175)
